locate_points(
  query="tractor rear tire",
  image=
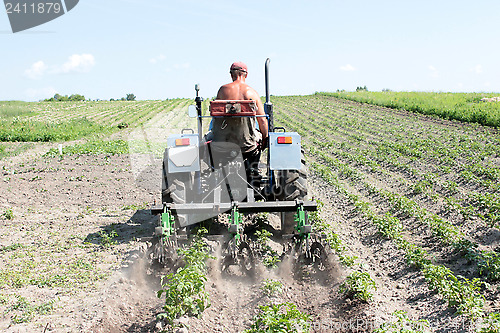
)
(175, 188)
(293, 184)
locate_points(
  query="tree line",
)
(79, 98)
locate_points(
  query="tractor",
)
(203, 179)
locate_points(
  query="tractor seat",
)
(233, 108)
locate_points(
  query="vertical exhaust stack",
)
(268, 106)
(198, 101)
(268, 109)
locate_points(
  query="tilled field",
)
(414, 198)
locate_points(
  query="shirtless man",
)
(239, 90)
(242, 130)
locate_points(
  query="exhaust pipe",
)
(268, 106)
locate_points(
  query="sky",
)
(159, 49)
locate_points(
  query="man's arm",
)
(263, 126)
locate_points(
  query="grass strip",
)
(465, 107)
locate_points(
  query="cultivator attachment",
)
(165, 247)
(238, 246)
(238, 250)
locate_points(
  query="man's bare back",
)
(239, 90)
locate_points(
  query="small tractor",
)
(203, 179)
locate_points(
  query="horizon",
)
(271, 95)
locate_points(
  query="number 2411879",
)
(40, 8)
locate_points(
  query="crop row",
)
(381, 159)
(461, 293)
(454, 167)
(489, 206)
(488, 262)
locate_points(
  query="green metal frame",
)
(167, 223)
(236, 219)
(303, 227)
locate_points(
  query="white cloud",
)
(434, 71)
(157, 59)
(347, 68)
(182, 66)
(478, 69)
(36, 70)
(77, 63)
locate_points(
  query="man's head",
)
(238, 69)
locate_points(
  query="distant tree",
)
(65, 98)
(131, 97)
(76, 98)
(362, 88)
(123, 99)
(111, 99)
(386, 90)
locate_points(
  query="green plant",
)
(271, 287)
(144, 205)
(403, 324)
(113, 147)
(460, 292)
(28, 130)
(332, 238)
(106, 238)
(459, 106)
(388, 225)
(270, 258)
(422, 187)
(360, 285)
(491, 324)
(185, 290)
(8, 214)
(25, 311)
(277, 318)
(12, 247)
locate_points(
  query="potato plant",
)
(184, 290)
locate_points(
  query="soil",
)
(63, 208)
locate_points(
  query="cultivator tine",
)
(166, 248)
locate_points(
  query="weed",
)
(278, 318)
(459, 106)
